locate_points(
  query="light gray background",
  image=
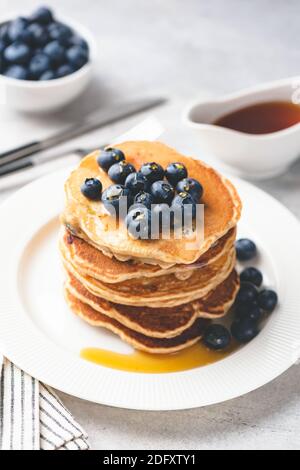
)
(182, 49)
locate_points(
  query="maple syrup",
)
(262, 118)
(190, 358)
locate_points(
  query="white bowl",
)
(46, 96)
(247, 155)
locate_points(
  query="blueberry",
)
(60, 32)
(17, 53)
(2, 46)
(245, 249)
(114, 195)
(77, 57)
(48, 75)
(252, 275)
(244, 330)
(162, 192)
(153, 172)
(42, 16)
(92, 189)
(109, 157)
(55, 52)
(176, 172)
(16, 28)
(16, 71)
(138, 222)
(185, 202)
(4, 33)
(267, 300)
(162, 217)
(191, 186)
(39, 64)
(250, 311)
(144, 199)
(64, 70)
(217, 337)
(40, 35)
(136, 183)
(76, 40)
(247, 294)
(119, 172)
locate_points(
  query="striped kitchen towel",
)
(32, 417)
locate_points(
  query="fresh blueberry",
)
(40, 36)
(109, 157)
(42, 16)
(244, 330)
(2, 46)
(252, 275)
(153, 172)
(16, 71)
(136, 183)
(245, 249)
(138, 222)
(64, 70)
(185, 202)
(162, 218)
(2, 64)
(17, 53)
(39, 64)
(4, 33)
(267, 300)
(247, 294)
(144, 199)
(16, 28)
(55, 52)
(114, 196)
(191, 186)
(162, 192)
(217, 337)
(119, 172)
(176, 172)
(250, 311)
(92, 189)
(48, 75)
(76, 40)
(60, 32)
(77, 57)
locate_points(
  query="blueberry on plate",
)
(176, 172)
(191, 186)
(16, 28)
(153, 171)
(267, 300)
(144, 199)
(64, 70)
(48, 75)
(184, 207)
(76, 40)
(250, 311)
(92, 189)
(136, 183)
(60, 32)
(252, 275)
(109, 157)
(77, 57)
(39, 64)
(42, 16)
(119, 172)
(16, 71)
(244, 330)
(17, 53)
(40, 35)
(116, 196)
(247, 294)
(55, 51)
(162, 192)
(245, 249)
(138, 222)
(217, 337)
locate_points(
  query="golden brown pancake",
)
(90, 221)
(138, 340)
(162, 322)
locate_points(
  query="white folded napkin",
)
(32, 417)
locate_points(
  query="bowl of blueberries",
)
(45, 63)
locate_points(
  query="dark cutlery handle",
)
(12, 167)
(19, 152)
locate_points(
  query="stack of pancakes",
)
(157, 295)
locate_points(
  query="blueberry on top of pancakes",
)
(114, 195)
(144, 198)
(137, 182)
(162, 192)
(152, 171)
(119, 172)
(138, 222)
(184, 202)
(92, 189)
(191, 186)
(176, 172)
(109, 157)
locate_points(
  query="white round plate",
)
(41, 336)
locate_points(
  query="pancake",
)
(162, 322)
(90, 220)
(94, 263)
(162, 291)
(139, 341)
